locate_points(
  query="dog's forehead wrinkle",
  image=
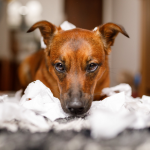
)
(75, 44)
(73, 48)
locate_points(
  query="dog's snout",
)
(75, 107)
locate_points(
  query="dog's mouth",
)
(78, 115)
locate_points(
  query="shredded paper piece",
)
(38, 109)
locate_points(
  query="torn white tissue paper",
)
(105, 118)
(40, 99)
(113, 104)
(67, 25)
(119, 88)
(14, 116)
(118, 112)
(106, 124)
(76, 125)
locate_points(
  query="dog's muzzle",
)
(76, 104)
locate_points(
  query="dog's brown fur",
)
(76, 49)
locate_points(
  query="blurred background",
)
(129, 60)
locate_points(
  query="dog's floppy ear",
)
(108, 32)
(46, 28)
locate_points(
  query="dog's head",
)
(77, 59)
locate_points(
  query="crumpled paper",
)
(38, 109)
(13, 116)
(118, 112)
(67, 25)
(40, 99)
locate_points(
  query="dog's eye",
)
(92, 67)
(60, 67)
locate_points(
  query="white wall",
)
(107, 11)
(125, 52)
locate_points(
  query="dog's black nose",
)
(75, 107)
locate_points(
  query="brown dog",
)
(74, 65)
